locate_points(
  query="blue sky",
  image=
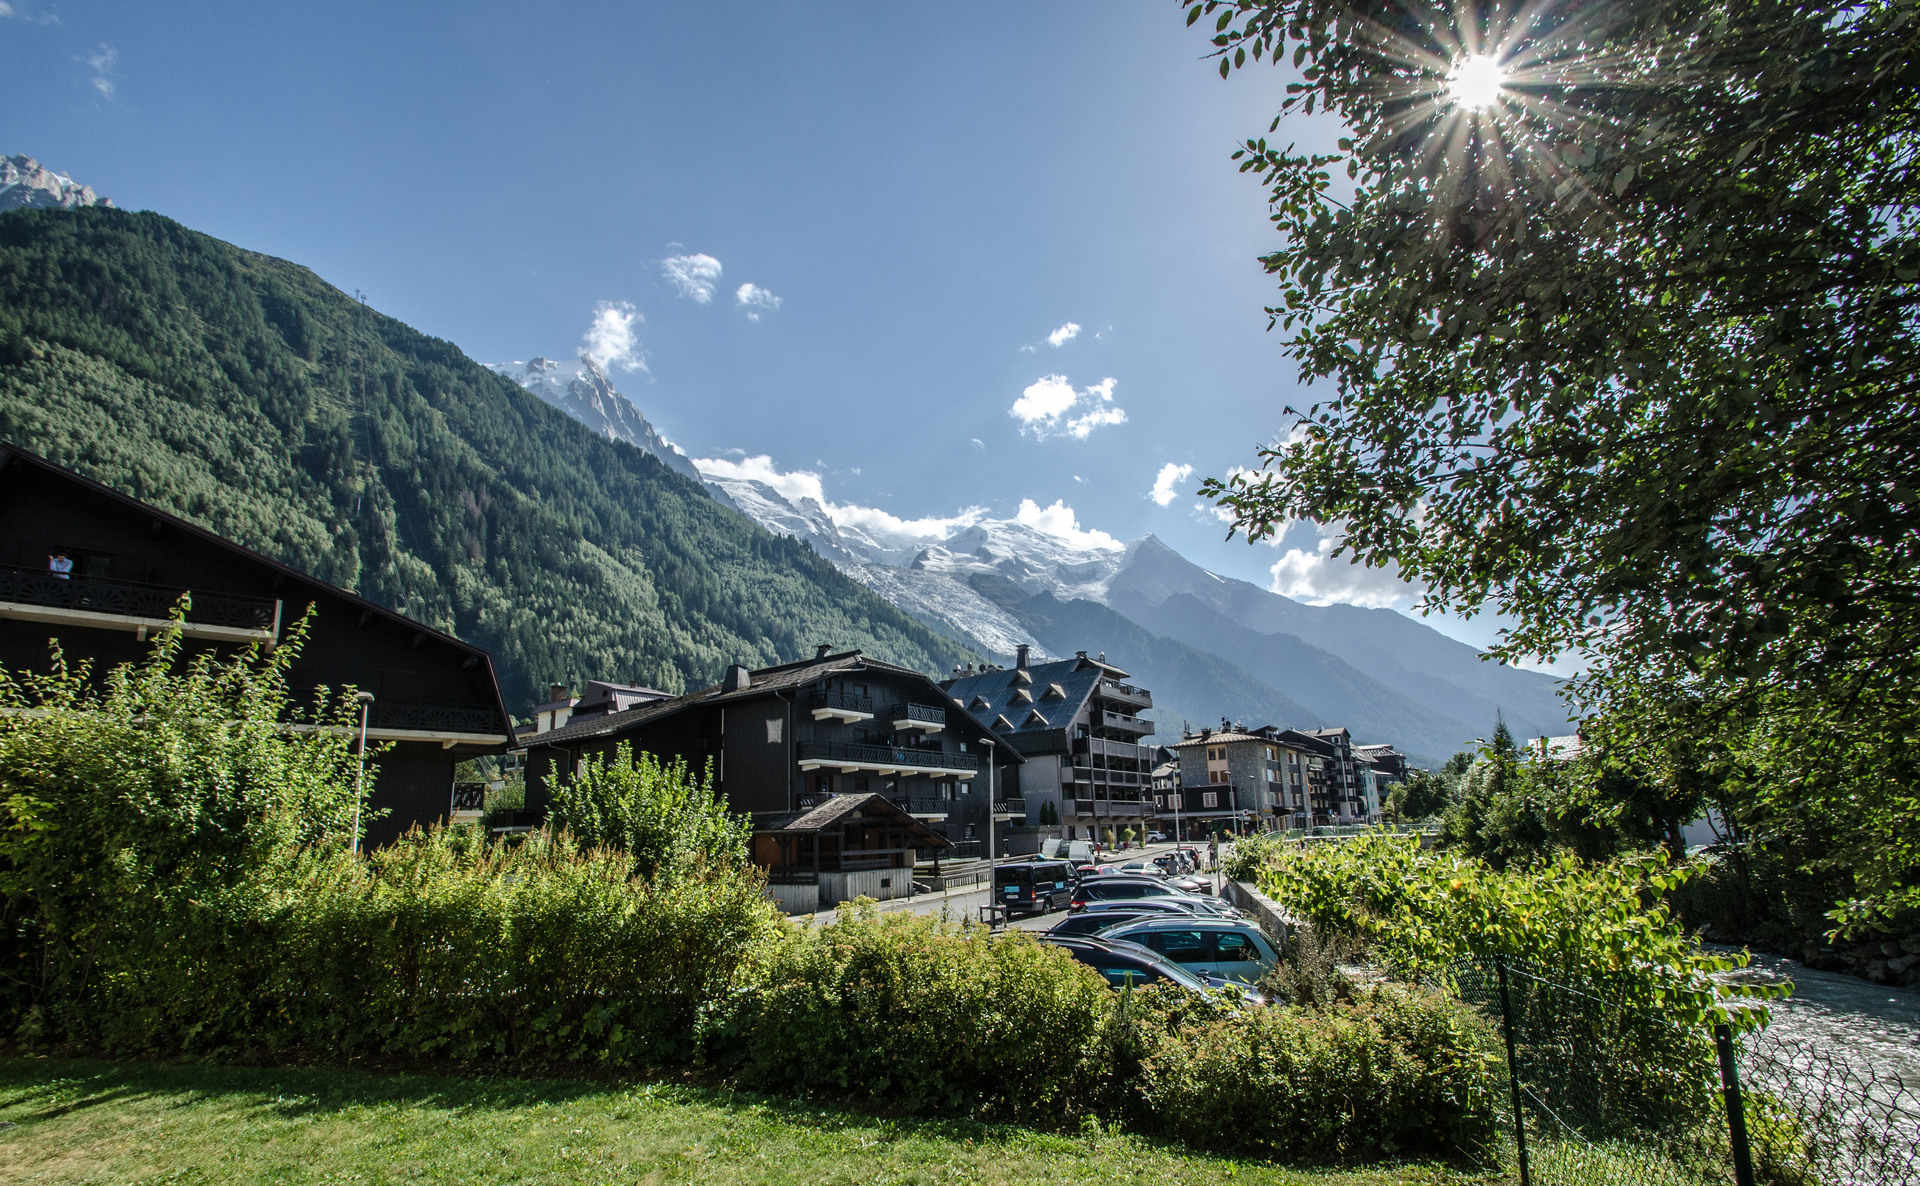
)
(922, 198)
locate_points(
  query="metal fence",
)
(1600, 1092)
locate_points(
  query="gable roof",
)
(1007, 693)
(11, 454)
(764, 682)
(838, 810)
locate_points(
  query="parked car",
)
(1147, 868)
(1033, 887)
(1156, 837)
(1097, 916)
(1125, 887)
(1128, 965)
(1206, 947)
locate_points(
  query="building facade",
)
(785, 741)
(1076, 723)
(102, 573)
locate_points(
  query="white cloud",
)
(1051, 406)
(1170, 475)
(800, 486)
(753, 299)
(1316, 577)
(101, 64)
(1059, 521)
(6, 12)
(977, 443)
(693, 276)
(610, 340)
(1064, 334)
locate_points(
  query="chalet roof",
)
(1007, 693)
(837, 810)
(764, 682)
(13, 454)
(1220, 738)
(1378, 751)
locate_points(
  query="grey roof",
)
(1001, 690)
(1215, 739)
(837, 808)
(764, 682)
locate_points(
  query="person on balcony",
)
(60, 565)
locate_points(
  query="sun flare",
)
(1476, 82)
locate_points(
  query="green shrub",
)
(922, 1014)
(1605, 926)
(658, 812)
(124, 790)
(1397, 1072)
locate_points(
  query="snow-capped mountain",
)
(26, 182)
(582, 390)
(1209, 646)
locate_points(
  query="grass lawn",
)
(71, 1121)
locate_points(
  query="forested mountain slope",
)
(246, 394)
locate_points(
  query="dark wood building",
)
(784, 741)
(102, 572)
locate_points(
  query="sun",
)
(1476, 81)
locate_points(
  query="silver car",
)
(1219, 948)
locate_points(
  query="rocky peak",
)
(26, 182)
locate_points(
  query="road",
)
(966, 903)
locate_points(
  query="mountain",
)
(1208, 646)
(582, 390)
(246, 394)
(25, 182)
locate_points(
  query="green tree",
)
(1421, 795)
(668, 820)
(1622, 345)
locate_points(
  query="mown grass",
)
(64, 1121)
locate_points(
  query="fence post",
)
(1513, 1076)
(1736, 1111)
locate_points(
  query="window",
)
(1233, 947)
(773, 730)
(1182, 947)
(1209, 799)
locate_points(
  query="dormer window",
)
(980, 703)
(1023, 697)
(1034, 718)
(1054, 692)
(1001, 722)
(1022, 678)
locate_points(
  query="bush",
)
(656, 811)
(1397, 1072)
(922, 1014)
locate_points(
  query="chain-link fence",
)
(1601, 1092)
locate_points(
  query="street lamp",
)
(365, 700)
(989, 819)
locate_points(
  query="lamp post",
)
(989, 819)
(365, 700)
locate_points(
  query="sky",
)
(935, 261)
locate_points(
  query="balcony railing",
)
(1125, 693)
(1120, 720)
(905, 715)
(1012, 807)
(841, 702)
(883, 756)
(921, 804)
(1126, 750)
(133, 599)
(415, 718)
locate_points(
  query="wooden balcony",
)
(852, 757)
(928, 718)
(840, 706)
(102, 603)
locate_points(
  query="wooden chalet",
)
(102, 572)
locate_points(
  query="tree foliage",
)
(668, 819)
(1628, 355)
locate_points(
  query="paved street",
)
(966, 903)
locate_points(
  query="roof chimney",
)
(1020, 656)
(822, 651)
(739, 679)
(556, 693)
